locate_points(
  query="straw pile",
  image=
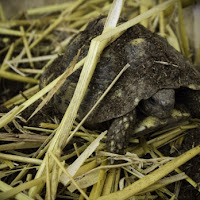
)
(34, 164)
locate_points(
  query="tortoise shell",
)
(154, 65)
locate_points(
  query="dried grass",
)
(81, 169)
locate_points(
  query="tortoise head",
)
(160, 104)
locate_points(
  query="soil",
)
(191, 168)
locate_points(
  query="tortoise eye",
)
(152, 101)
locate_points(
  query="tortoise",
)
(149, 87)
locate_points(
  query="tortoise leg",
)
(119, 132)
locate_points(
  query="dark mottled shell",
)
(154, 65)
